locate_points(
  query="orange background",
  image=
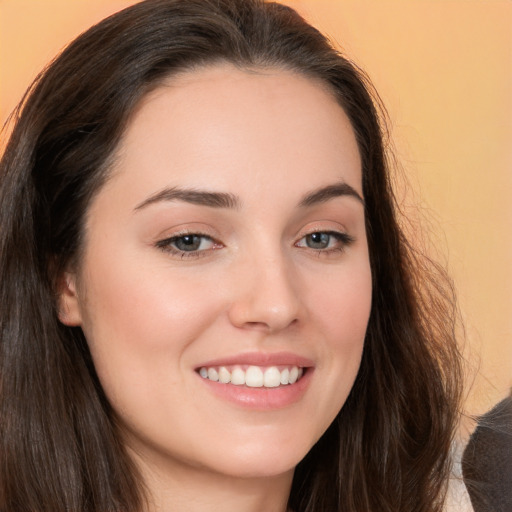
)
(444, 71)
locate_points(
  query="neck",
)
(175, 487)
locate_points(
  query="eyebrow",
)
(199, 197)
(323, 194)
(231, 201)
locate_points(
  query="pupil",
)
(318, 240)
(188, 242)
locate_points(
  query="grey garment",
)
(487, 461)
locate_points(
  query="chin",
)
(261, 460)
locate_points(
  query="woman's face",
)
(228, 245)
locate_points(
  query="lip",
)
(260, 359)
(261, 399)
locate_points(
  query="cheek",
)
(343, 304)
(342, 311)
(149, 307)
(139, 326)
(139, 322)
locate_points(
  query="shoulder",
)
(487, 460)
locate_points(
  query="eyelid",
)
(335, 233)
(340, 234)
(165, 243)
(322, 227)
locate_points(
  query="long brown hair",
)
(388, 448)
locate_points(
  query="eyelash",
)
(344, 240)
(166, 245)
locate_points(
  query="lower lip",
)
(262, 399)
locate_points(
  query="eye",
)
(318, 240)
(188, 244)
(325, 241)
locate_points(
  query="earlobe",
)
(68, 303)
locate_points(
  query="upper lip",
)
(261, 359)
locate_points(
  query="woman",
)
(207, 299)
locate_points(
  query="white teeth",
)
(254, 376)
(272, 377)
(292, 379)
(212, 374)
(224, 375)
(238, 377)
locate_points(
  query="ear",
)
(68, 302)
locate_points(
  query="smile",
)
(253, 376)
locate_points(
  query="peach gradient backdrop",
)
(444, 71)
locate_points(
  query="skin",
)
(151, 315)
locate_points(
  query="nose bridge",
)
(265, 292)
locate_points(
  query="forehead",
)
(224, 124)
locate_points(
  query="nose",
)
(266, 295)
